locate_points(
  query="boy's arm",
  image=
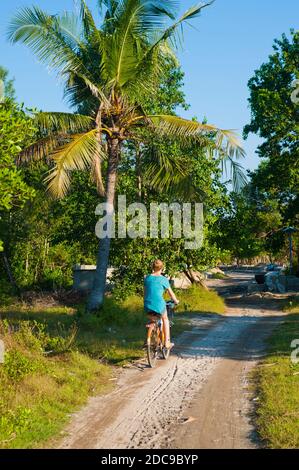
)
(172, 295)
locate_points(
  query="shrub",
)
(13, 422)
(17, 365)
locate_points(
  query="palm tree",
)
(108, 71)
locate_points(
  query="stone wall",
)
(83, 277)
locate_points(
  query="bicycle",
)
(155, 336)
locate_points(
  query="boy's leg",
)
(166, 329)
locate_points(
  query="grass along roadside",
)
(56, 357)
(219, 276)
(198, 300)
(39, 388)
(278, 386)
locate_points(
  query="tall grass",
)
(278, 386)
(198, 300)
(41, 381)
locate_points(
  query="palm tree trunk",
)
(194, 280)
(98, 290)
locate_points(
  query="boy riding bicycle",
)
(155, 285)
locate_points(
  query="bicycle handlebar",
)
(171, 303)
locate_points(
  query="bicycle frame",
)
(155, 336)
(155, 324)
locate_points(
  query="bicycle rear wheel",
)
(152, 348)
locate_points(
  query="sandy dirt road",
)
(199, 398)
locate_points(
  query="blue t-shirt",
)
(154, 287)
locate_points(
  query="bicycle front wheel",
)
(165, 352)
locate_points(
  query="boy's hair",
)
(157, 265)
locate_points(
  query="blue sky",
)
(230, 40)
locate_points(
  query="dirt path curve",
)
(199, 398)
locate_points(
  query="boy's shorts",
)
(151, 312)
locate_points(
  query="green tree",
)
(109, 73)
(132, 258)
(46, 227)
(246, 225)
(16, 132)
(274, 117)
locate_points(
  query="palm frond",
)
(220, 139)
(70, 29)
(134, 22)
(107, 10)
(80, 96)
(174, 126)
(92, 33)
(224, 143)
(236, 172)
(145, 77)
(227, 141)
(67, 123)
(168, 8)
(172, 178)
(152, 14)
(97, 92)
(41, 149)
(76, 155)
(120, 53)
(96, 175)
(165, 172)
(47, 36)
(141, 72)
(170, 32)
(139, 65)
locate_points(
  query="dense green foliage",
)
(16, 131)
(45, 238)
(275, 119)
(117, 72)
(251, 227)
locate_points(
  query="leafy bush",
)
(13, 422)
(17, 365)
(44, 265)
